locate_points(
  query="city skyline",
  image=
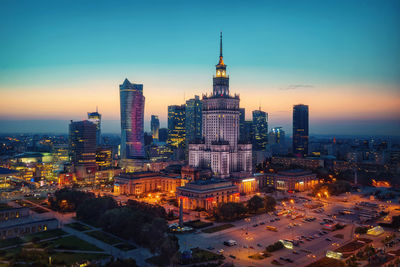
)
(346, 69)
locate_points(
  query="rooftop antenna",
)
(97, 110)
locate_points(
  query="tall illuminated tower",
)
(260, 131)
(155, 126)
(300, 130)
(95, 117)
(132, 120)
(220, 150)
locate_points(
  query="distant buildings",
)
(193, 121)
(242, 126)
(300, 130)
(163, 135)
(176, 126)
(82, 148)
(260, 126)
(276, 141)
(155, 127)
(95, 117)
(132, 120)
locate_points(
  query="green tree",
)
(255, 203)
(269, 203)
(230, 211)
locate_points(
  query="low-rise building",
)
(206, 194)
(293, 180)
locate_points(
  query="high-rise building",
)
(276, 136)
(242, 118)
(260, 125)
(163, 135)
(193, 121)
(300, 130)
(155, 127)
(248, 131)
(104, 158)
(95, 117)
(220, 150)
(132, 120)
(176, 126)
(82, 148)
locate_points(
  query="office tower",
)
(300, 130)
(104, 158)
(176, 126)
(163, 135)
(276, 136)
(155, 127)
(82, 148)
(220, 149)
(193, 121)
(260, 125)
(95, 117)
(242, 118)
(248, 130)
(132, 120)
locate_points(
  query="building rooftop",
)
(295, 172)
(5, 171)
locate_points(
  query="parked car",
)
(210, 248)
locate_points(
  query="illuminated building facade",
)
(300, 130)
(220, 150)
(82, 148)
(276, 136)
(293, 180)
(104, 158)
(176, 126)
(242, 119)
(206, 194)
(260, 129)
(95, 117)
(132, 120)
(139, 183)
(193, 120)
(155, 127)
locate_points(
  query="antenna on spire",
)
(97, 110)
(220, 45)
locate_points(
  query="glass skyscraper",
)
(155, 127)
(176, 126)
(260, 124)
(132, 120)
(300, 130)
(193, 122)
(95, 117)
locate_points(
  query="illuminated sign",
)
(334, 255)
(248, 180)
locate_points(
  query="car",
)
(282, 258)
(301, 241)
(259, 245)
(233, 257)
(288, 260)
(277, 219)
(272, 220)
(295, 252)
(210, 248)
(308, 239)
(303, 236)
(328, 239)
(245, 246)
(262, 223)
(251, 247)
(221, 251)
(255, 225)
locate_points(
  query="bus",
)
(271, 228)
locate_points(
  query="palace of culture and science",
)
(220, 150)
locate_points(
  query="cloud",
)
(297, 86)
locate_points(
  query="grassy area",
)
(106, 238)
(10, 242)
(197, 224)
(36, 200)
(44, 235)
(70, 243)
(350, 247)
(125, 246)
(78, 226)
(218, 228)
(201, 255)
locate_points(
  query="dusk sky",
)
(61, 59)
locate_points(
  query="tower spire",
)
(221, 60)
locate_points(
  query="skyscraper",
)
(300, 130)
(132, 120)
(82, 148)
(95, 117)
(242, 118)
(276, 136)
(193, 121)
(155, 126)
(176, 126)
(220, 149)
(260, 124)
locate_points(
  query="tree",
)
(230, 211)
(269, 203)
(92, 209)
(255, 203)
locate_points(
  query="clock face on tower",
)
(223, 73)
(218, 73)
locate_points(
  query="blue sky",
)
(272, 49)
